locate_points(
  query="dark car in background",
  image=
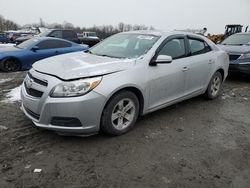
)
(57, 33)
(22, 56)
(238, 48)
(4, 38)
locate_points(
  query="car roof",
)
(163, 33)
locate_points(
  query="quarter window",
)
(198, 47)
(174, 48)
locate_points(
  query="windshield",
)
(238, 39)
(27, 44)
(45, 33)
(125, 46)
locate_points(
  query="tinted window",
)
(174, 48)
(49, 44)
(69, 34)
(198, 46)
(57, 34)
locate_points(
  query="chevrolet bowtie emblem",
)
(29, 82)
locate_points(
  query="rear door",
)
(70, 35)
(199, 64)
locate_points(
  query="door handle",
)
(184, 69)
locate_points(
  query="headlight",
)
(245, 56)
(75, 88)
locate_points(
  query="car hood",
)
(235, 49)
(81, 65)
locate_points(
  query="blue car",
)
(3, 38)
(22, 56)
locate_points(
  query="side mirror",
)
(161, 59)
(35, 48)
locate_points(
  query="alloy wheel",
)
(123, 114)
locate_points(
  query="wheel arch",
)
(222, 72)
(132, 89)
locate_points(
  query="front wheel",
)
(214, 87)
(120, 113)
(10, 65)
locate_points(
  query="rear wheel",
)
(120, 114)
(214, 87)
(10, 65)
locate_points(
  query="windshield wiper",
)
(243, 44)
(105, 55)
(88, 51)
(16, 46)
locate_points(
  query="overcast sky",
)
(161, 14)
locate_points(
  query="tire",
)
(120, 113)
(214, 86)
(10, 65)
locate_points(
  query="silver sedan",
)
(125, 76)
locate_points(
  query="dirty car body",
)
(133, 64)
(238, 48)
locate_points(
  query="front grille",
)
(41, 82)
(28, 83)
(32, 114)
(66, 122)
(33, 92)
(233, 57)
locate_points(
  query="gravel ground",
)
(196, 143)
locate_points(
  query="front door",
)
(167, 81)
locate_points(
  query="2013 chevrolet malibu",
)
(124, 76)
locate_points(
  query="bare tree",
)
(7, 24)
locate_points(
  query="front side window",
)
(125, 46)
(50, 44)
(57, 34)
(174, 48)
(198, 47)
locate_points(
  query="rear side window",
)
(50, 44)
(69, 34)
(174, 48)
(198, 46)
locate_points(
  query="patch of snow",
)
(13, 95)
(3, 128)
(37, 170)
(5, 80)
